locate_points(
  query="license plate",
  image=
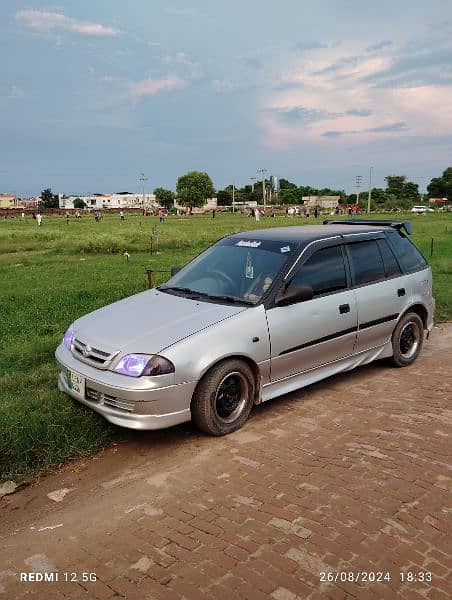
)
(75, 382)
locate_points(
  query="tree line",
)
(195, 187)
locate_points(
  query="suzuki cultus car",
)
(256, 315)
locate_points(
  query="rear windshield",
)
(408, 256)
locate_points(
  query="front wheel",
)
(407, 340)
(224, 397)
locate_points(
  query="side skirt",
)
(294, 382)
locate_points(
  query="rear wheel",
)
(407, 340)
(224, 397)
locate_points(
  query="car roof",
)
(304, 233)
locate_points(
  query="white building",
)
(106, 201)
(210, 204)
(329, 202)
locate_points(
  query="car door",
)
(308, 334)
(380, 289)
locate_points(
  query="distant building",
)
(438, 201)
(328, 202)
(8, 201)
(106, 201)
(210, 204)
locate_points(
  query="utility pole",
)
(369, 197)
(262, 172)
(233, 197)
(143, 180)
(253, 179)
(359, 180)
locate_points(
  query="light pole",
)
(369, 196)
(253, 179)
(359, 180)
(143, 180)
(262, 172)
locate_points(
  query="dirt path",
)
(348, 479)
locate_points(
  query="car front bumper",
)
(136, 403)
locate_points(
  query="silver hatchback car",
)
(256, 315)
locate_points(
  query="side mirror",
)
(293, 294)
(175, 270)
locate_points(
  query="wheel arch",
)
(420, 310)
(246, 359)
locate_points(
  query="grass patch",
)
(54, 274)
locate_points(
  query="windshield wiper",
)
(174, 288)
(229, 299)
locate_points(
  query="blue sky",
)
(94, 92)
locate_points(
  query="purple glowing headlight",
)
(135, 365)
(68, 337)
(132, 364)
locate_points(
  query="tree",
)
(224, 198)
(79, 203)
(194, 188)
(49, 200)
(290, 195)
(441, 187)
(395, 185)
(164, 197)
(411, 191)
(379, 196)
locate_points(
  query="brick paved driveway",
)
(347, 478)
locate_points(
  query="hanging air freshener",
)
(249, 271)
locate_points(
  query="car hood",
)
(148, 322)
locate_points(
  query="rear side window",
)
(391, 265)
(365, 262)
(324, 271)
(407, 254)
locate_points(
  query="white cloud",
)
(342, 88)
(222, 85)
(41, 20)
(151, 87)
(15, 92)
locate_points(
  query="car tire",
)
(224, 398)
(407, 340)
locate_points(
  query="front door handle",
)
(344, 308)
(401, 292)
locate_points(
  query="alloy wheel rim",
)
(231, 397)
(410, 337)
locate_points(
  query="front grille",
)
(89, 354)
(109, 400)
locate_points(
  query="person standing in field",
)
(257, 214)
(23, 215)
(121, 215)
(39, 219)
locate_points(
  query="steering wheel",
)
(226, 279)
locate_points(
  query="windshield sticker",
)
(285, 249)
(249, 244)
(249, 270)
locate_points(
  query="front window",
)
(234, 269)
(324, 271)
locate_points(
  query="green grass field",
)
(53, 274)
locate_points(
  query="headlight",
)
(136, 365)
(68, 337)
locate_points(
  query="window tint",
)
(407, 254)
(324, 271)
(391, 265)
(366, 262)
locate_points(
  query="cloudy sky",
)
(94, 92)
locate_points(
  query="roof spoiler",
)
(406, 225)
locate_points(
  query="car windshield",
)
(234, 269)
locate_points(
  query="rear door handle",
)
(401, 292)
(344, 308)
